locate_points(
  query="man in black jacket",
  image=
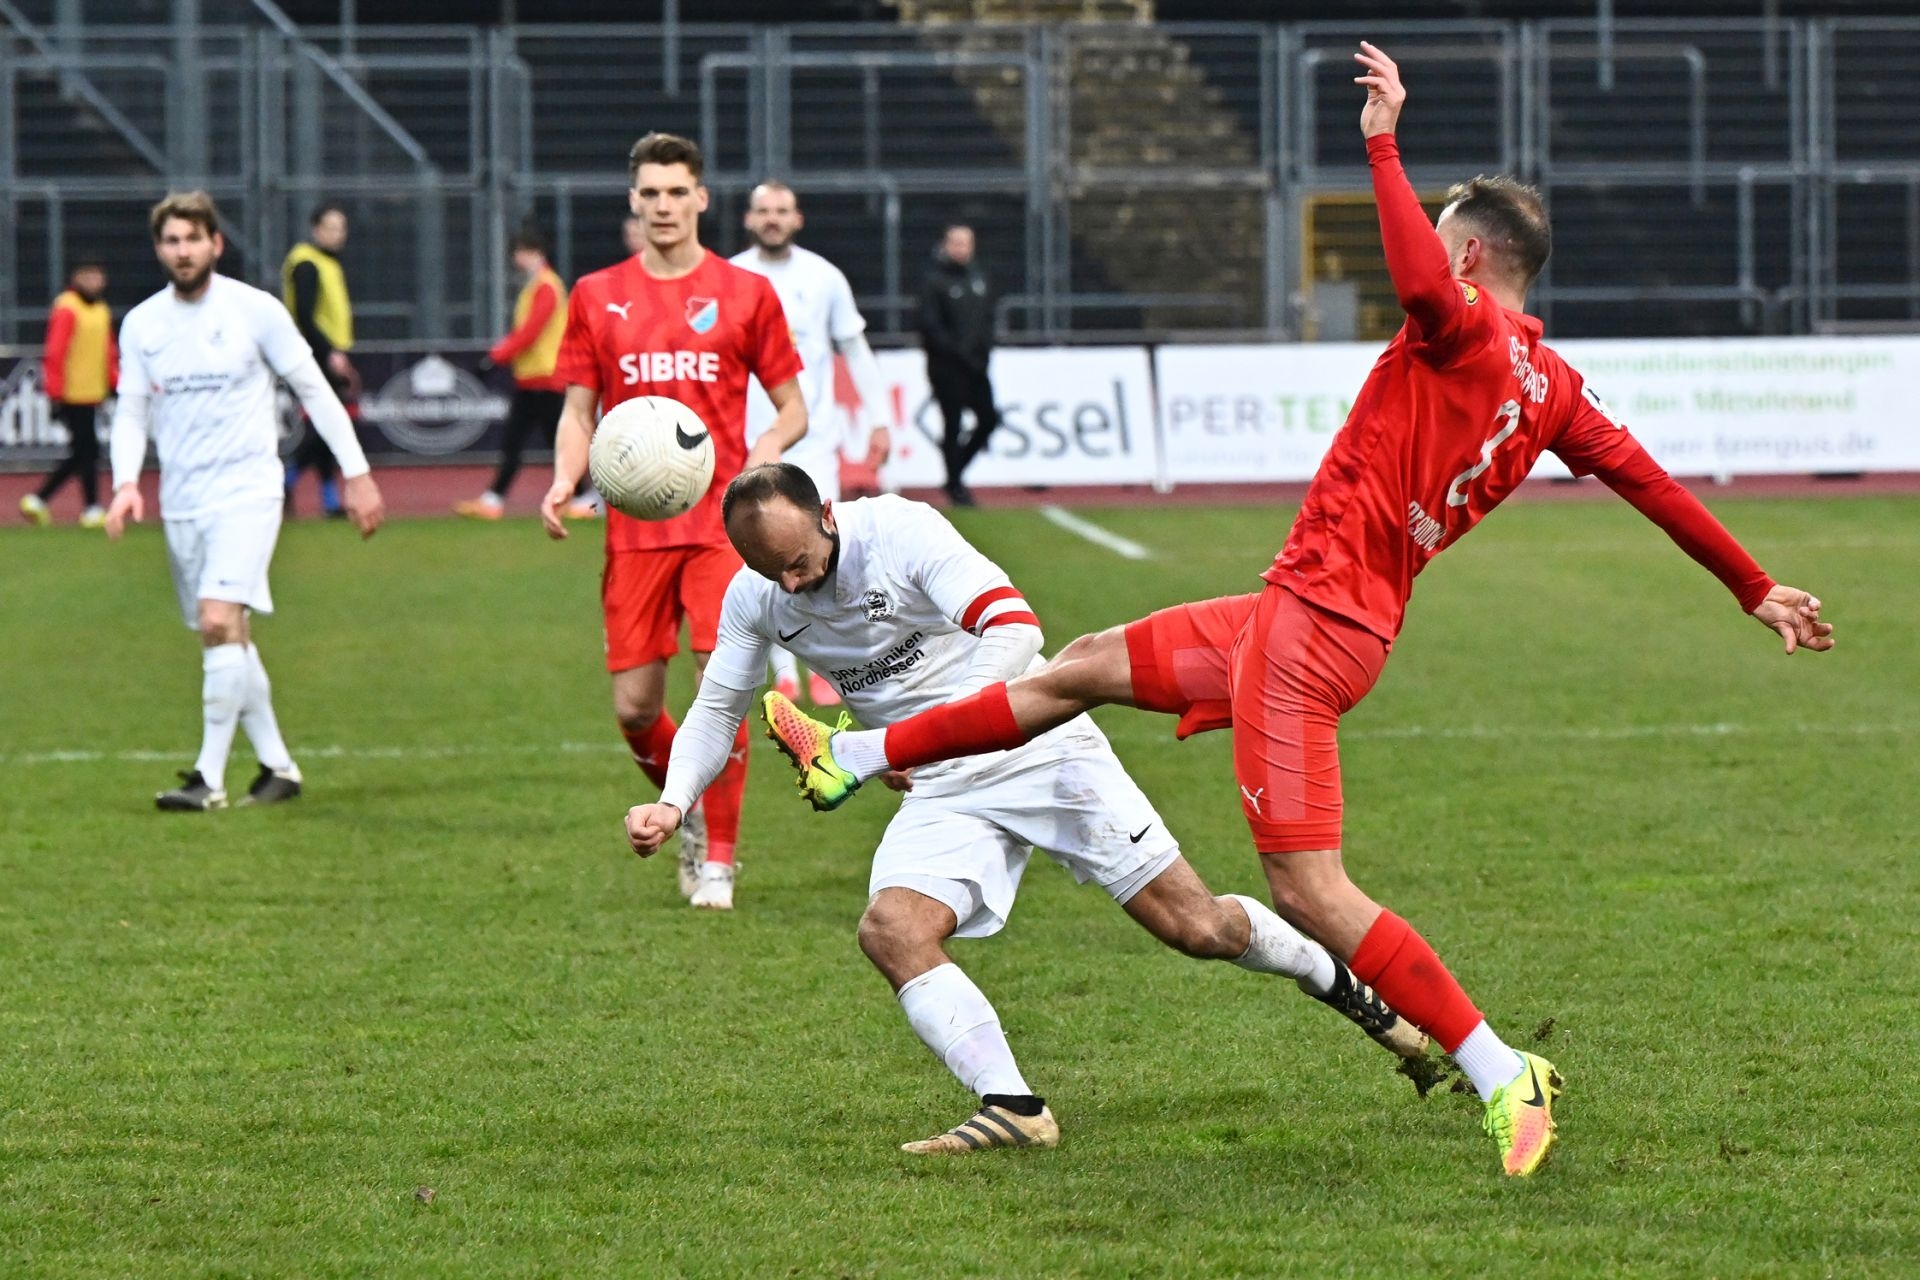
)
(956, 327)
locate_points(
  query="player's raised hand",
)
(365, 507)
(127, 505)
(553, 509)
(649, 825)
(1385, 94)
(1796, 616)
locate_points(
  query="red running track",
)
(421, 491)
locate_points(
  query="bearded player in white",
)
(889, 598)
(821, 312)
(197, 369)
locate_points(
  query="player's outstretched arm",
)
(1416, 259)
(570, 442)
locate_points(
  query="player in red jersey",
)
(1449, 422)
(680, 322)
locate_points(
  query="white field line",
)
(1125, 548)
(1412, 732)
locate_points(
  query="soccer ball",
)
(651, 458)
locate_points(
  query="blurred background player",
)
(200, 360)
(956, 328)
(531, 351)
(633, 234)
(680, 322)
(825, 321)
(952, 859)
(79, 369)
(314, 286)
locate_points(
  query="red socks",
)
(1396, 961)
(651, 748)
(972, 726)
(721, 803)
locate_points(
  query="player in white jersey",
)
(821, 312)
(197, 371)
(887, 596)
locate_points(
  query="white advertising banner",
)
(1069, 415)
(1721, 406)
(1762, 406)
(1258, 412)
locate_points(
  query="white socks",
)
(1274, 946)
(785, 665)
(1487, 1060)
(861, 752)
(953, 1018)
(223, 692)
(257, 718)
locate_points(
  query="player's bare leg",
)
(1092, 671)
(1312, 891)
(1177, 907)
(904, 934)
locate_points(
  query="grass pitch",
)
(236, 1044)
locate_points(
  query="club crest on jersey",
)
(702, 313)
(1472, 293)
(876, 606)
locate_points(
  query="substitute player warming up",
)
(1451, 420)
(680, 322)
(887, 596)
(197, 370)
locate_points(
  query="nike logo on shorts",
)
(1135, 837)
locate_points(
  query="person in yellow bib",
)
(80, 366)
(314, 286)
(530, 351)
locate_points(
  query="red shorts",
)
(1282, 672)
(645, 594)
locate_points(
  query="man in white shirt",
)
(197, 371)
(821, 312)
(889, 598)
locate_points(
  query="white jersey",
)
(894, 627)
(820, 312)
(207, 369)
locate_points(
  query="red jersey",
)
(693, 339)
(1451, 420)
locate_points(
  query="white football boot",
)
(716, 887)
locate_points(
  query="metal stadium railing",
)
(1705, 177)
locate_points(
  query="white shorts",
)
(223, 555)
(1067, 794)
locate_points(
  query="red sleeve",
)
(771, 356)
(1445, 313)
(113, 360)
(1593, 442)
(53, 364)
(524, 335)
(578, 364)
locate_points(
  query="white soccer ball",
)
(651, 458)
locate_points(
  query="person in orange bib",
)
(81, 365)
(530, 351)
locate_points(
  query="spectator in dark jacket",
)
(956, 328)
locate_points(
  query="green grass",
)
(235, 1045)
